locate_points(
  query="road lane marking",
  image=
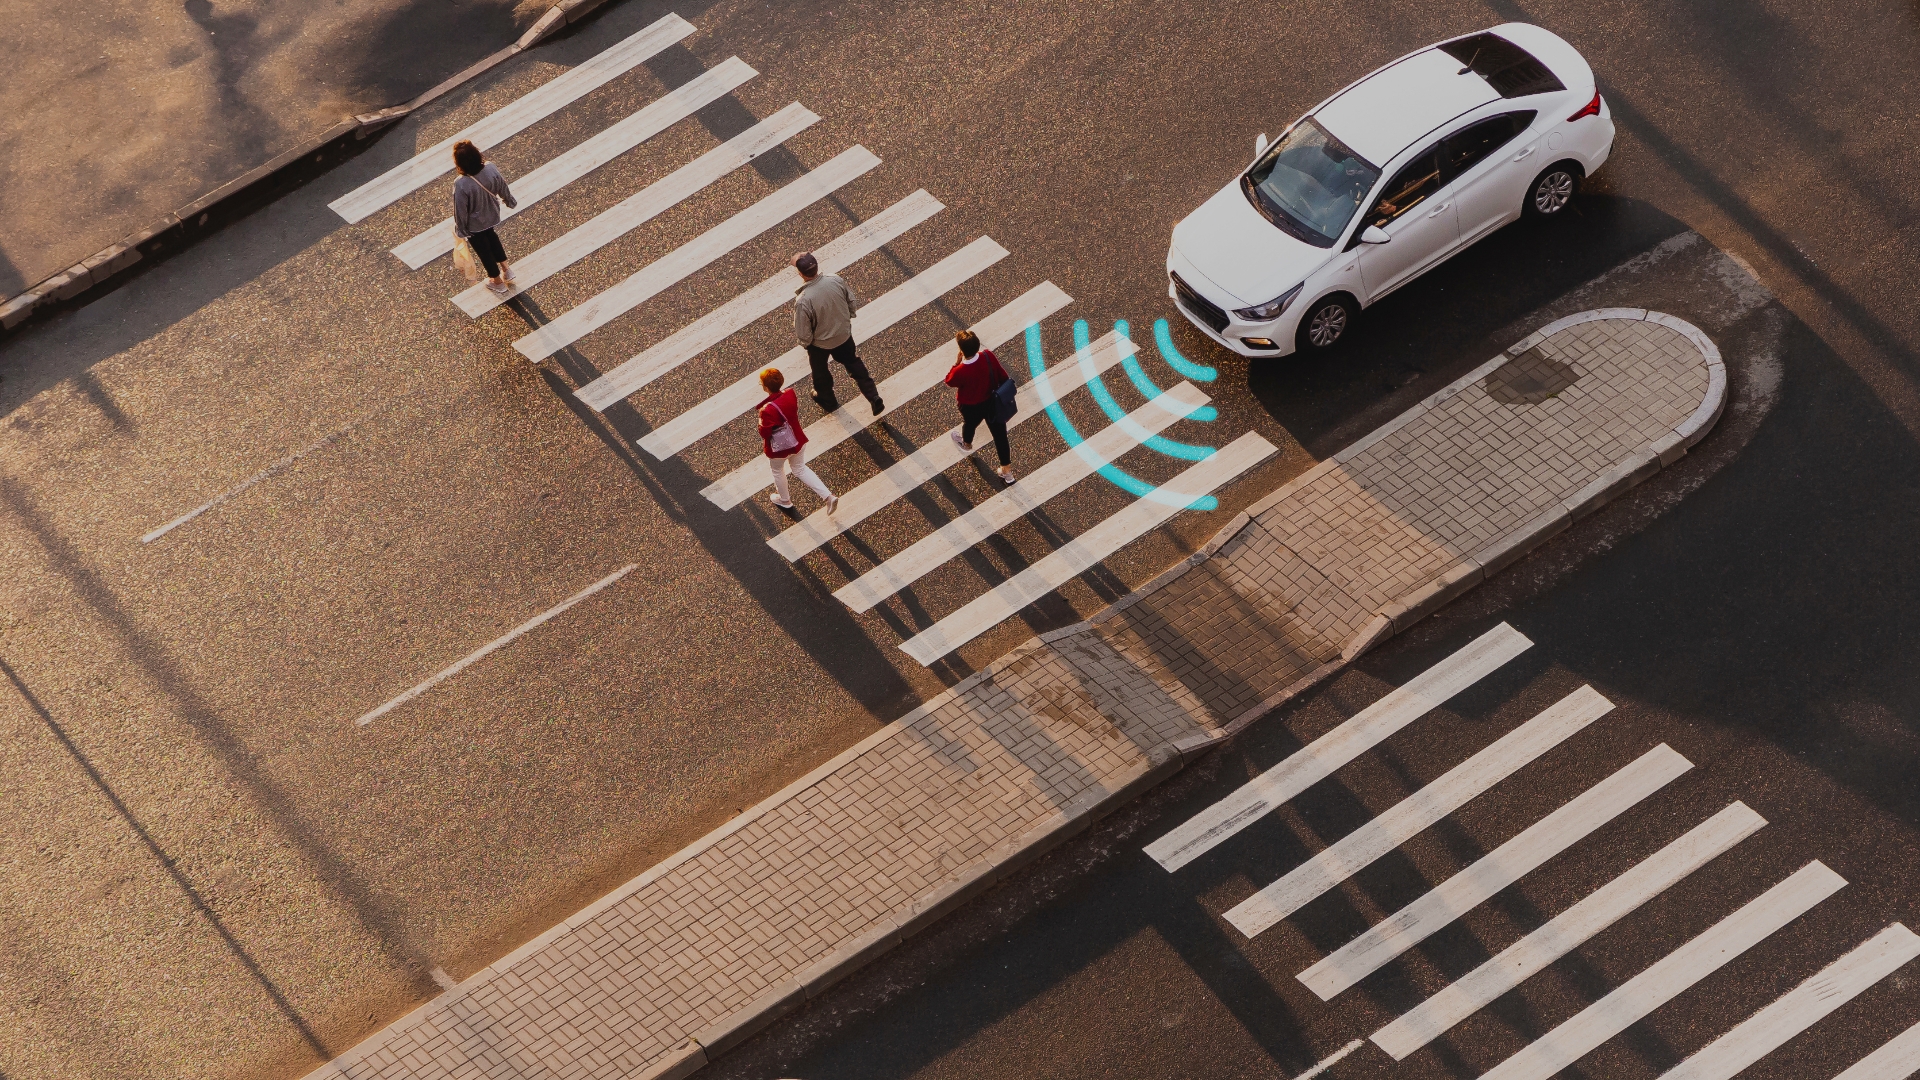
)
(938, 456)
(1897, 1060)
(1017, 500)
(267, 473)
(1565, 932)
(709, 246)
(496, 644)
(1332, 1061)
(1670, 976)
(1084, 551)
(639, 208)
(498, 126)
(736, 314)
(534, 186)
(1800, 1008)
(1500, 868)
(1325, 755)
(897, 303)
(1461, 784)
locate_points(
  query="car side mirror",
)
(1260, 145)
(1374, 234)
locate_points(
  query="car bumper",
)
(1225, 328)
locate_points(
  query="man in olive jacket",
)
(823, 309)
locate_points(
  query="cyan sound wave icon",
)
(1113, 474)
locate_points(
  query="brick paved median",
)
(701, 951)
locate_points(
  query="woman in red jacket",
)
(784, 441)
(973, 380)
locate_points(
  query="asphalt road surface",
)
(218, 873)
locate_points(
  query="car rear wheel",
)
(1325, 324)
(1552, 190)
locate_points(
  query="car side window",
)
(1468, 147)
(1409, 188)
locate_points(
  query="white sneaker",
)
(958, 441)
(833, 503)
(1006, 473)
(506, 272)
(499, 288)
(784, 504)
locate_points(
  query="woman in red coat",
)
(785, 442)
(973, 380)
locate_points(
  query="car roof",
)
(1388, 111)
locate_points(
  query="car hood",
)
(1241, 253)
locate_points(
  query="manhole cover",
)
(1530, 378)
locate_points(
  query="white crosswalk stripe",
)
(1034, 489)
(896, 391)
(1367, 729)
(531, 188)
(1800, 1008)
(536, 105)
(697, 253)
(1082, 552)
(641, 207)
(1416, 812)
(1670, 975)
(1565, 932)
(874, 318)
(1899, 1059)
(939, 455)
(1500, 868)
(733, 316)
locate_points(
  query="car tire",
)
(1325, 325)
(1552, 191)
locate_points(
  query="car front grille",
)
(1199, 306)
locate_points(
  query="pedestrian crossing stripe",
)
(939, 455)
(1898, 1059)
(697, 253)
(641, 207)
(637, 128)
(733, 316)
(502, 124)
(1015, 502)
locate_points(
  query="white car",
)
(1440, 148)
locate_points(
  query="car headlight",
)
(1272, 309)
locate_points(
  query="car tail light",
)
(1592, 108)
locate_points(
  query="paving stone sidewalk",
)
(703, 950)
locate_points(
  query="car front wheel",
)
(1325, 324)
(1552, 190)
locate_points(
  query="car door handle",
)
(1438, 210)
(1522, 155)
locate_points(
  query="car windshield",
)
(1309, 184)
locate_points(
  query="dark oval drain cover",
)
(1530, 378)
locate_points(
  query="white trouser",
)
(795, 461)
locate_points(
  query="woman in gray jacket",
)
(477, 194)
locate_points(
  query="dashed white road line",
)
(1898, 1059)
(1462, 783)
(1082, 552)
(637, 128)
(1015, 502)
(734, 315)
(1566, 931)
(649, 281)
(875, 318)
(536, 105)
(1800, 1008)
(1332, 1061)
(1319, 760)
(1500, 868)
(929, 461)
(269, 472)
(496, 644)
(1670, 975)
(639, 208)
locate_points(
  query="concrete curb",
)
(86, 279)
(1394, 618)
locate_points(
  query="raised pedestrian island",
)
(701, 951)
